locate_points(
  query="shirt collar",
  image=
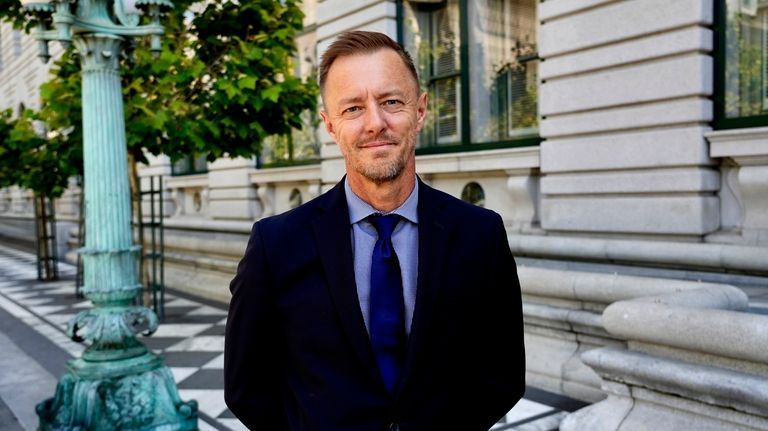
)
(360, 209)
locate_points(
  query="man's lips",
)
(377, 144)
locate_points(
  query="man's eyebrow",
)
(394, 93)
(385, 95)
(349, 100)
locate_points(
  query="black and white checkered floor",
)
(191, 339)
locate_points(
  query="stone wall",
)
(625, 102)
(21, 71)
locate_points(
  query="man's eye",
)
(391, 102)
(351, 109)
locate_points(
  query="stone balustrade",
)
(654, 353)
(701, 256)
(189, 197)
(563, 316)
(281, 189)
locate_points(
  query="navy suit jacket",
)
(297, 353)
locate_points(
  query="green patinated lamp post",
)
(118, 384)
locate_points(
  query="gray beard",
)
(385, 173)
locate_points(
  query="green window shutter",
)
(445, 41)
(447, 109)
(765, 59)
(445, 61)
(181, 166)
(522, 72)
(200, 164)
(190, 165)
(522, 100)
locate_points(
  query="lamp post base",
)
(136, 393)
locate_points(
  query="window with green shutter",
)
(764, 58)
(190, 164)
(478, 61)
(741, 91)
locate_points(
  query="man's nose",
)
(374, 120)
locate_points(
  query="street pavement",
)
(35, 349)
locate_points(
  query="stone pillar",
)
(625, 101)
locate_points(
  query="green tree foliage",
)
(30, 161)
(9, 154)
(221, 85)
(11, 11)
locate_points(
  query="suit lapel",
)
(433, 240)
(332, 233)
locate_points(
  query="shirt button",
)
(394, 427)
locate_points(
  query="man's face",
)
(373, 111)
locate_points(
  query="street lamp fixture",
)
(97, 17)
(117, 383)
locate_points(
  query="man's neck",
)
(386, 196)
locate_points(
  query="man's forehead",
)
(355, 64)
(380, 54)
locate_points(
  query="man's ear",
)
(328, 124)
(421, 110)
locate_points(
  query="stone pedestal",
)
(744, 163)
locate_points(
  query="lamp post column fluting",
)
(117, 383)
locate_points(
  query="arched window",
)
(295, 199)
(474, 194)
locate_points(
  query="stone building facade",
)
(624, 143)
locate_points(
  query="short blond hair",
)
(362, 42)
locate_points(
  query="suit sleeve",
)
(251, 364)
(502, 344)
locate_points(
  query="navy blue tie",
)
(387, 309)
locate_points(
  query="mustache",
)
(380, 137)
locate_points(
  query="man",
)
(345, 317)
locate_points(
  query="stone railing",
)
(697, 256)
(692, 361)
(17, 216)
(201, 256)
(563, 312)
(203, 243)
(654, 353)
(284, 188)
(507, 181)
(15, 201)
(189, 196)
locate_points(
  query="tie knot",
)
(384, 224)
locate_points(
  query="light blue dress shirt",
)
(405, 239)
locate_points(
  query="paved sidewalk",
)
(34, 316)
